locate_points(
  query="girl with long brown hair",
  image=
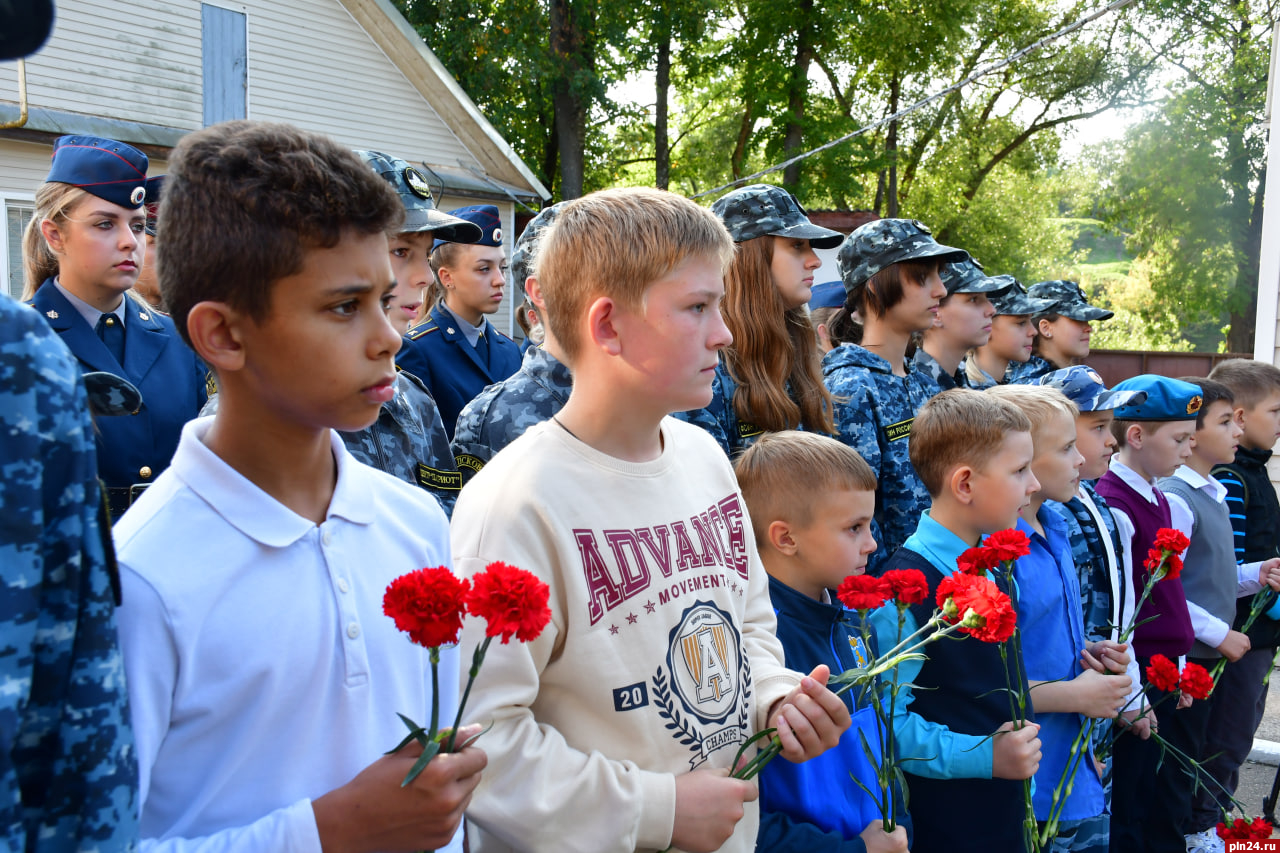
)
(770, 378)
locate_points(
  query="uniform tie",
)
(482, 348)
(111, 331)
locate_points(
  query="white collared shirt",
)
(90, 314)
(1208, 628)
(262, 672)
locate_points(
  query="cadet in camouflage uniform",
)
(1064, 330)
(772, 232)
(879, 392)
(69, 769)
(1012, 333)
(960, 319)
(1096, 548)
(502, 412)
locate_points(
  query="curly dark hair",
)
(245, 200)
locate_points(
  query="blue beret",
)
(1167, 399)
(113, 171)
(829, 294)
(483, 215)
(1083, 386)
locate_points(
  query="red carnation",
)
(977, 600)
(1008, 544)
(1261, 829)
(1243, 830)
(1168, 539)
(908, 586)
(512, 602)
(977, 561)
(1196, 682)
(862, 592)
(1163, 673)
(1172, 563)
(427, 604)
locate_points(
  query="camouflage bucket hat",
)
(885, 242)
(1068, 300)
(763, 210)
(968, 277)
(1083, 386)
(1012, 299)
(420, 214)
(526, 248)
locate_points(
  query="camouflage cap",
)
(420, 214)
(525, 251)
(1068, 300)
(1012, 299)
(968, 277)
(886, 242)
(762, 210)
(1083, 386)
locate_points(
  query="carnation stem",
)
(435, 689)
(477, 658)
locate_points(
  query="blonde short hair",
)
(960, 427)
(616, 243)
(1038, 402)
(785, 474)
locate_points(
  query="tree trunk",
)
(891, 148)
(794, 138)
(744, 136)
(1244, 307)
(568, 47)
(661, 149)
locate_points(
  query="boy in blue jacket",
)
(811, 500)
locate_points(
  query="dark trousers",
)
(1237, 706)
(1151, 793)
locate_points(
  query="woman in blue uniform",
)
(82, 252)
(456, 351)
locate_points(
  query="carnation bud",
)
(973, 619)
(949, 610)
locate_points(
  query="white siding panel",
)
(312, 65)
(139, 62)
(23, 166)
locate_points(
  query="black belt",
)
(120, 498)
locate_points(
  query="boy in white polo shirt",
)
(263, 677)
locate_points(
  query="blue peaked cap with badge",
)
(1083, 386)
(111, 170)
(829, 294)
(764, 210)
(486, 217)
(885, 242)
(420, 213)
(1167, 399)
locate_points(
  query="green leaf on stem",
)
(428, 752)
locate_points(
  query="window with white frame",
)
(17, 213)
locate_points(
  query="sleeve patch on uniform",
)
(434, 478)
(746, 430)
(471, 463)
(902, 429)
(630, 697)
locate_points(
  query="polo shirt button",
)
(326, 538)
(353, 630)
(343, 586)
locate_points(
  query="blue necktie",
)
(111, 331)
(482, 349)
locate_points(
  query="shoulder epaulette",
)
(426, 328)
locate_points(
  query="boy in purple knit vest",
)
(1155, 438)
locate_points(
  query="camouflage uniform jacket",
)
(946, 381)
(501, 413)
(988, 381)
(1029, 371)
(407, 441)
(1097, 580)
(67, 763)
(873, 413)
(720, 418)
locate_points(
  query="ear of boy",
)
(215, 337)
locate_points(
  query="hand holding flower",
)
(810, 719)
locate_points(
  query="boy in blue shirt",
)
(973, 453)
(1071, 678)
(811, 500)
